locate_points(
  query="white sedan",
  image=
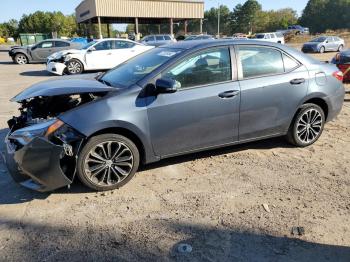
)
(97, 55)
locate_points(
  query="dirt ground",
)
(212, 201)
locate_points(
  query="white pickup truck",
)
(270, 37)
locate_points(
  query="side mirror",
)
(91, 49)
(167, 85)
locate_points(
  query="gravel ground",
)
(234, 204)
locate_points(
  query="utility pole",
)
(218, 19)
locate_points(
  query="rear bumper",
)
(37, 165)
(55, 68)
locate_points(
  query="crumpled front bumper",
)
(310, 49)
(37, 165)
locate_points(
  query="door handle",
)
(297, 81)
(229, 94)
(109, 54)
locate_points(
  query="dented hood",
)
(63, 86)
(59, 54)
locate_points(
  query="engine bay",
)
(39, 109)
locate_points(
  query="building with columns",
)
(139, 12)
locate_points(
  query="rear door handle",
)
(298, 81)
(229, 94)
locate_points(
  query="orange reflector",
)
(54, 127)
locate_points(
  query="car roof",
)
(119, 39)
(217, 42)
(200, 44)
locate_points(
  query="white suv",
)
(97, 55)
(270, 37)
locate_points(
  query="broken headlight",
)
(27, 134)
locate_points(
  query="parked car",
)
(39, 52)
(199, 37)
(324, 44)
(270, 37)
(172, 100)
(298, 29)
(97, 55)
(158, 40)
(342, 60)
(236, 37)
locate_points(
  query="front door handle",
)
(297, 81)
(229, 94)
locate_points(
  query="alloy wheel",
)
(74, 67)
(309, 126)
(21, 59)
(109, 163)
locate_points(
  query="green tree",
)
(314, 15)
(245, 18)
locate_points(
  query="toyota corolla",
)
(172, 100)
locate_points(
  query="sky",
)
(16, 8)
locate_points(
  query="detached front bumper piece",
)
(56, 68)
(37, 165)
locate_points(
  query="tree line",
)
(318, 15)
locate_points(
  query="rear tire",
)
(21, 59)
(340, 48)
(74, 67)
(307, 126)
(108, 162)
(322, 49)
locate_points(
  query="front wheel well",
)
(128, 134)
(321, 103)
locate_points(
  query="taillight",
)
(339, 75)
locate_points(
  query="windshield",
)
(319, 40)
(135, 69)
(88, 45)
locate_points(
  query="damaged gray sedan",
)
(169, 101)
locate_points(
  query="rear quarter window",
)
(260, 61)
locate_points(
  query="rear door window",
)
(61, 44)
(123, 44)
(166, 37)
(258, 61)
(159, 38)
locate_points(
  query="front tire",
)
(74, 67)
(322, 49)
(21, 59)
(340, 48)
(307, 126)
(108, 162)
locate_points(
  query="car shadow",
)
(116, 242)
(7, 63)
(43, 73)
(12, 193)
(277, 142)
